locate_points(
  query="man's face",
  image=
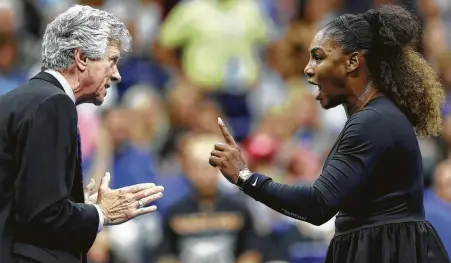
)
(443, 181)
(195, 153)
(99, 75)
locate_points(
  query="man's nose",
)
(116, 77)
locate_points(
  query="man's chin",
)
(98, 102)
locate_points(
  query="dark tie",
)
(77, 190)
(79, 156)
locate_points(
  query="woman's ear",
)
(353, 62)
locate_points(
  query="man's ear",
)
(81, 61)
(353, 62)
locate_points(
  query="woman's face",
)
(327, 69)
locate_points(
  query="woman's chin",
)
(323, 103)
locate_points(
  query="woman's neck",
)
(370, 92)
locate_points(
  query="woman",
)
(373, 175)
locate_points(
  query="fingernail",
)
(161, 188)
(107, 174)
(220, 121)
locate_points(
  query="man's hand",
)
(121, 205)
(90, 195)
(227, 157)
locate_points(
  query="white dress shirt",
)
(71, 95)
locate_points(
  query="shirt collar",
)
(62, 80)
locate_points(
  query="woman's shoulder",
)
(380, 111)
(367, 117)
(381, 119)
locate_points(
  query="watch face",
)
(245, 174)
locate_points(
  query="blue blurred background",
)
(193, 61)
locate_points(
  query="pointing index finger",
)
(225, 132)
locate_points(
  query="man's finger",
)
(93, 198)
(150, 199)
(225, 132)
(105, 181)
(144, 210)
(90, 184)
(88, 188)
(148, 192)
(137, 187)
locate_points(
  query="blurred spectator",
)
(135, 241)
(445, 140)
(167, 6)
(318, 12)
(100, 251)
(139, 67)
(189, 111)
(181, 100)
(437, 38)
(204, 113)
(206, 226)
(151, 116)
(218, 41)
(437, 203)
(290, 54)
(123, 144)
(444, 68)
(358, 6)
(431, 156)
(14, 61)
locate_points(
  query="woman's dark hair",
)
(389, 35)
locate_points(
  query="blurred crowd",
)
(242, 60)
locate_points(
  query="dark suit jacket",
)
(43, 217)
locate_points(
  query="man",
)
(218, 40)
(437, 203)
(206, 225)
(43, 217)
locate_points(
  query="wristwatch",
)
(243, 176)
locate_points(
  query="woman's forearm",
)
(302, 202)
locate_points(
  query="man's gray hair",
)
(88, 29)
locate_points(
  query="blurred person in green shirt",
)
(218, 40)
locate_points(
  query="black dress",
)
(373, 179)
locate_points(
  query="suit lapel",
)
(77, 187)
